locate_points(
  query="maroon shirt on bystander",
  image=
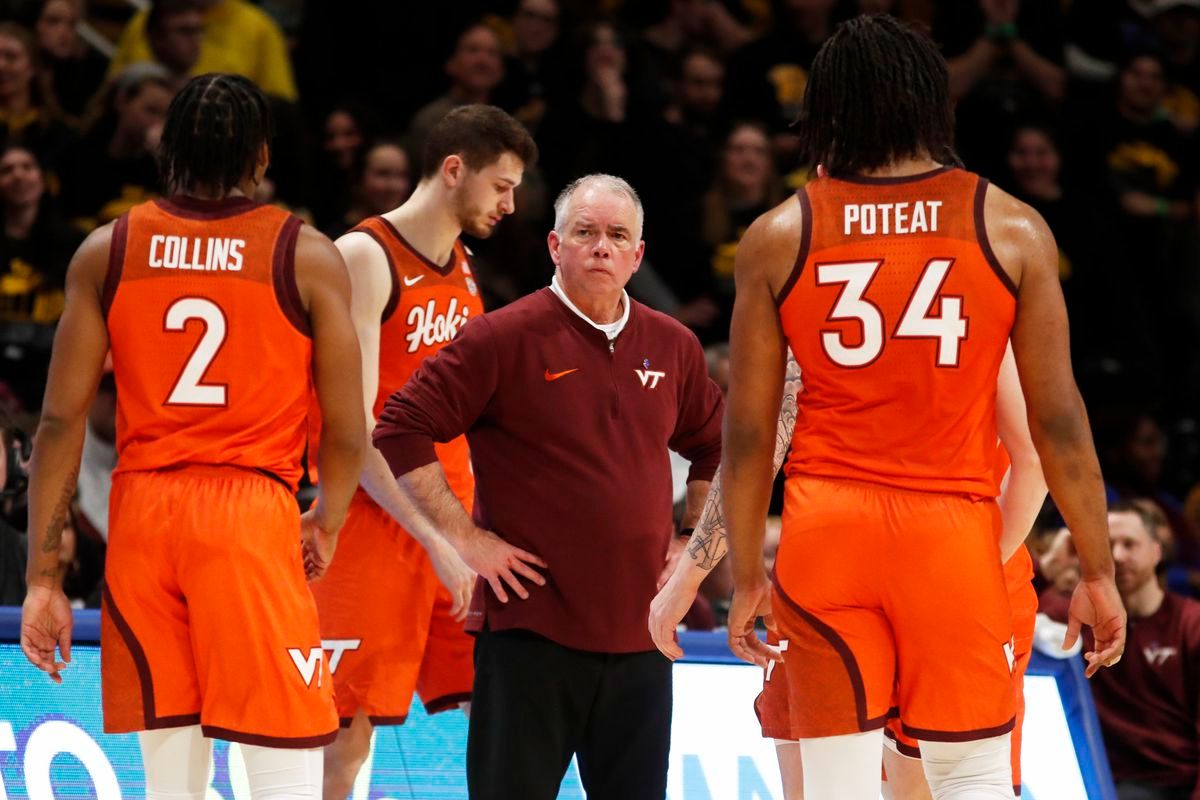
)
(569, 439)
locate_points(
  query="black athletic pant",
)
(536, 703)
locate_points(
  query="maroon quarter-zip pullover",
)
(569, 439)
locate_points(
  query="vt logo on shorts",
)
(307, 665)
(1010, 654)
(337, 648)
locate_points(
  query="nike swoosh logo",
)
(553, 376)
(414, 281)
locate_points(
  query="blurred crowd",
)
(1088, 111)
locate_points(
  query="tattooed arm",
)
(80, 344)
(708, 544)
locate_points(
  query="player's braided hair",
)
(214, 129)
(878, 92)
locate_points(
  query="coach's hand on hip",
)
(499, 562)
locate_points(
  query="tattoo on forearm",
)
(788, 411)
(50, 572)
(58, 518)
(707, 544)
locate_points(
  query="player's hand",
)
(455, 575)
(674, 551)
(667, 609)
(317, 543)
(501, 563)
(1097, 604)
(750, 603)
(46, 622)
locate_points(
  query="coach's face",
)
(600, 246)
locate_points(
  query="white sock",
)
(176, 762)
(969, 770)
(280, 774)
(842, 767)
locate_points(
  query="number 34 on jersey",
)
(928, 314)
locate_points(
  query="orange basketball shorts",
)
(892, 604)
(386, 624)
(1023, 601)
(207, 617)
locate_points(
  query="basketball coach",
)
(570, 399)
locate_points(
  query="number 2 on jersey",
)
(948, 328)
(188, 389)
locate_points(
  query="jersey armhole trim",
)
(116, 262)
(982, 237)
(283, 270)
(805, 240)
(393, 301)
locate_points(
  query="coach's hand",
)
(749, 603)
(500, 563)
(1097, 604)
(46, 622)
(317, 543)
(455, 575)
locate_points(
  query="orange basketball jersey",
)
(898, 314)
(428, 305)
(210, 342)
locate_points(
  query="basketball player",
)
(1022, 497)
(896, 281)
(412, 290)
(221, 314)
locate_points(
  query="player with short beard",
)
(412, 289)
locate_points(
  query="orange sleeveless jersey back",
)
(898, 314)
(210, 342)
(428, 305)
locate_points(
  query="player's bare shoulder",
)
(768, 250)
(366, 261)
(318, 263)
(1017, 233)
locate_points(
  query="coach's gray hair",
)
(610, 182)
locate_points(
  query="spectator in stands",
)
(475, 69)
(74, 70)
(343, 137)
(530, 70)
(1085, 264)
(1133, 451)
(113, 167)
(682, 144)
(766, 78)
(1005, 59)
(675, 27)
(28, 111)
(384, 182)
(589, 131)
(237, 37)
(175, 37)
(1176, 26)
(35, 247)
(1148, 703)
(1148, 171)
(747, 185)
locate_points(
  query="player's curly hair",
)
(214, 129)
(878, 92)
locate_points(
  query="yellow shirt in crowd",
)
(238, 38)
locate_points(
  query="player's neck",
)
(1145, 601)
(903, 168)
(428, 223)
